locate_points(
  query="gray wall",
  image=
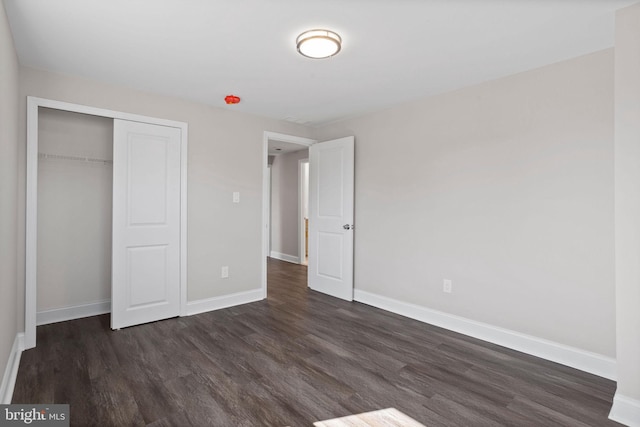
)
(74, 210)
(284, 203)
(8, 189)
(225, 155)
(627, 148)
(506, 188)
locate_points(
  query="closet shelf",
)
(74, 158)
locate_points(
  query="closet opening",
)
(106, 216)
(75, 176)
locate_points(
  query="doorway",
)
(75, 175)
(331, 213)
(288, 201)
(294, 143)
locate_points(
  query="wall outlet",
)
(447, 286)
(224, 273)
(236, 197)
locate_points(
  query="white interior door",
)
(146, 223)
(331, 179)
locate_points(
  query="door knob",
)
(348, 227)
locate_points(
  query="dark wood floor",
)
(293, 359)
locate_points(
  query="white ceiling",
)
(393, 50)
(276, 148)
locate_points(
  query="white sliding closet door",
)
(146, 223)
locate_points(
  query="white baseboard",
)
(217, 303)
(625, 410)
(11, 370)
(69, 313)
(285, 257)
(570, 356)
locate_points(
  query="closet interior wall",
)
(75, 174)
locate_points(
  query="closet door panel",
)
(146, 223)
(148, 179)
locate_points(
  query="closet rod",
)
(75, 158)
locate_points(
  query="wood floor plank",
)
(113, 400)
(293, 359)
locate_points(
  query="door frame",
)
(31, 221)
(267, 211)
(301, 191)
(275, 136)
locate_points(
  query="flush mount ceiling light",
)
(318, 44)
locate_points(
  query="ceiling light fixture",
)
(318, 44)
